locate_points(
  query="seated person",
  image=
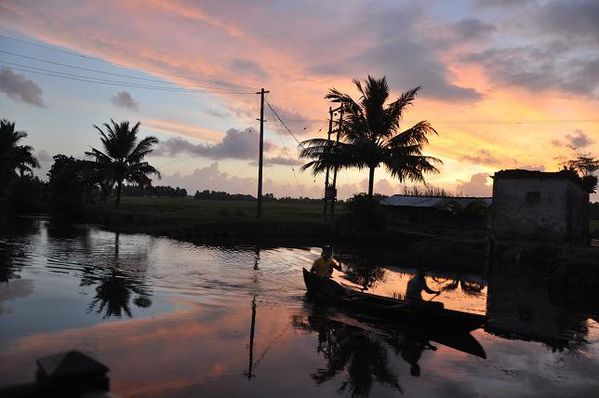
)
(416, 285)
(324, 265)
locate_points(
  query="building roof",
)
(431, 201)
(542, 175)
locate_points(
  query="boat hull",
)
(426, 314)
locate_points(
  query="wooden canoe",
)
(427, 314)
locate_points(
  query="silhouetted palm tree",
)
(371, 136)
(13, 157)
(123, 155)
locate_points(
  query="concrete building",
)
(540, 205)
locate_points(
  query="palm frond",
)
(415, 135)
(143, 148)
(326, 154)
(411, 167)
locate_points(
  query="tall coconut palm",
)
(14, 157)
(371, 136)
(123, 155)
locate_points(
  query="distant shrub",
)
(365, 217)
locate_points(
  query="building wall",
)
(579, 212)
(533, 208)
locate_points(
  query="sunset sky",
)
(507, 83)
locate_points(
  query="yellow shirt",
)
(323, 267)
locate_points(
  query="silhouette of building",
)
(435, 212)
(540, 206)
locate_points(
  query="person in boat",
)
(416, 285)
(324, 265)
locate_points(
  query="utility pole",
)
(326, 178)
(261, 155)
(339, 130)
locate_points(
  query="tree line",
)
(160, 191)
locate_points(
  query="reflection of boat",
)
(460, 340)
(429, 314)
(360, 348)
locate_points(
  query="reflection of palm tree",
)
(364, 276)
(363, 355)
(371, 137)
(363, 266)
(12, 156)
(123, 155)
(470, 288)
(114, 293)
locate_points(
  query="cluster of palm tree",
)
(123, 157)
(370, 136)
(121, 160)
(15, 159)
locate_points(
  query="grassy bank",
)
(192, 211)
(204, 220)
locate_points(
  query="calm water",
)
(175, 319)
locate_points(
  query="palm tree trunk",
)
(371, 182)
(119, 186)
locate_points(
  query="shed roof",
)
(431, 201)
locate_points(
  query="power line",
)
(292, 168)
(95, 80)
(283, 123)
(82, 68)
(515, 122)
(105, 72)
(72, 53)
(449, 122)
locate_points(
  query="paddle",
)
(431, 299)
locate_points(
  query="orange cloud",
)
(184, 129)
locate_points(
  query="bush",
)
(365, 218)
(71, 185)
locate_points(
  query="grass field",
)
(164, 212)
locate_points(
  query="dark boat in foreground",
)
(427, 314)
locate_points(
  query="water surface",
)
(175, 319)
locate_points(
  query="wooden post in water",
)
(250, 373)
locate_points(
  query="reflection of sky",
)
(194, 338)
(394, 284)
(203, 350)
